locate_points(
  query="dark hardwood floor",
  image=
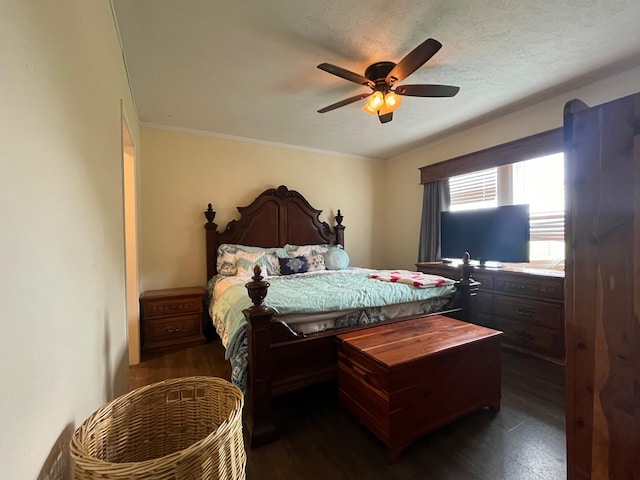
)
(525, 440)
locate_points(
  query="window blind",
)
(545, 226)
(474, 189)
(540, 183)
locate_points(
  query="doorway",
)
(131, 244)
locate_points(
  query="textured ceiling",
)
(247, 68)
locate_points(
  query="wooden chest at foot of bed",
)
(405, 379)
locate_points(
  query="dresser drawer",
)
(531, 338)
(484, 302)
(485, 278)
(531, 285)
(530, 311)
(171, 328)
(171, 306)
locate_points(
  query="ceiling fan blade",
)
(344, 102)
(346, 74)
(427, 90)
(413, 60)
(387, 117)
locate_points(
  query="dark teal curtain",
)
(435, 199)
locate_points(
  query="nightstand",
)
(171, 318)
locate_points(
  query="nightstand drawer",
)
(536, 313)
(171, 306)
(171, 328)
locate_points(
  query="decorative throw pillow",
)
(247, 248)
(228, 255)
(289, 266)
(314, 254)
(226, 262)
(245, 262)
(336, 258)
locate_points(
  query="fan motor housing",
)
(378, 71)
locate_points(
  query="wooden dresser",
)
(171, 318)
(526, 304)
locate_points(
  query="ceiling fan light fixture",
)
(368, 109)
(392, 101)
(376, 100)
(380, 103)
(382, 78)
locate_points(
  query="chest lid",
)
(398, 343)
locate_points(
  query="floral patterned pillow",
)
(226, 262)
(228, 255)
(291, 265)
(313, 253)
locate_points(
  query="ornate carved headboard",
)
(276, 217)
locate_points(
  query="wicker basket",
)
(179, 429)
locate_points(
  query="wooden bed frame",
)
(281, 361)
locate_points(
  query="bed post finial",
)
(467, 290)
(339, 228)
(210, 214)
(467, 269)
(257, 289)
(211, 241)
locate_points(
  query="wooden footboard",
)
(281, 361)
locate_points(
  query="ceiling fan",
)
(382, 77)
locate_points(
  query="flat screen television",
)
(498, 234)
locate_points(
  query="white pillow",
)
(246, 261)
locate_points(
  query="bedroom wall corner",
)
(64, 339)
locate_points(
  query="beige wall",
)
(63, 345)
(402, 177)
(181, 172)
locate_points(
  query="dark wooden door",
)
(602, 289)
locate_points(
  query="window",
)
(474, 190)
(538, 182)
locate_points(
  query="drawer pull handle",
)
(174, 329)
(360, 372)
(524, 311)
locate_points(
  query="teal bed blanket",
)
(326, 291)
